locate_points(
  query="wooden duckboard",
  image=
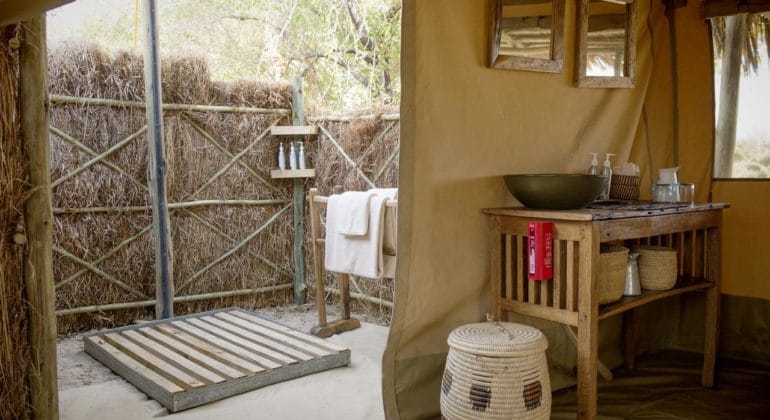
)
(192, 360)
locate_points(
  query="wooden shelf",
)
(292, 173)
(294, 130)
(647, 296)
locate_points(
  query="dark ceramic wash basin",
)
(554, 191)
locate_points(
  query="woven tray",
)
(613, 260)
(657, 267)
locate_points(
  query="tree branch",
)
(358, 23)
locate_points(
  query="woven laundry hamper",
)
(496, 370)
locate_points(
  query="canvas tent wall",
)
(464, 125)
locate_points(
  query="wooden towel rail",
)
(346, 322)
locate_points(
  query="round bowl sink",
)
(555, 191)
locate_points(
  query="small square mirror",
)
(526, 34)
(606, 43)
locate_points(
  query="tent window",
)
(742, 88)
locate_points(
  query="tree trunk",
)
(727, 119)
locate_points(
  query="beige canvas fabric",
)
(465, 125)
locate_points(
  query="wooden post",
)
(727, 120)
(164, 279)
(671, 6)
(298, 118)
(38, 215)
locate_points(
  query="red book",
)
(540, 250)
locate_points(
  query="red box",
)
(540, 250)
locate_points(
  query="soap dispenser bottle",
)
(301, 155)
(607, 173)
(594, 169)
(281, 158)
(292, 157)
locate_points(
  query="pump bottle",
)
(594, 169)
(281, 158)
(301, 155)
(292, 157)
(607, 173)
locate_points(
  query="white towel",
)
(352, 213)
(389, 231)
(357, 255)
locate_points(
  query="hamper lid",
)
(497, 339)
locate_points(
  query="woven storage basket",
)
(613, 260)
(496, 370)
(657, 267)
(624, 187)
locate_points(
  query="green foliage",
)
(752, 159)
(346, 50)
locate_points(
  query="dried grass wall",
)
(198, 169)
(104, 256)
(14, 343)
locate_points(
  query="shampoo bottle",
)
(301, 155)
(594, 169)
(292, 157)
(281, 158)
(607, 173)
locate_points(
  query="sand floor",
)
(89, 390)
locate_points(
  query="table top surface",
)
(609, 210)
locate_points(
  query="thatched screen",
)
(14, 343)
(102, 240)
(231, 224)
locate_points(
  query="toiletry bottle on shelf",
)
(281, 158)
(301, 155)
(292, 157)
(607, 173)
(594, 169)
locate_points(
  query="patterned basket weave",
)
(624, 187)
(496, 370)
(657, 267)
(613, 260)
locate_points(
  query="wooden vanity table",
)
(570, 297)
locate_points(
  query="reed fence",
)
(231, 223)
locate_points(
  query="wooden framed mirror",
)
(606, 43)
(526, 34)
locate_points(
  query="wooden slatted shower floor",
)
(192, 360)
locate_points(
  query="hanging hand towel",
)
(353, 213)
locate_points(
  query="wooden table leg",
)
(588, 322)
(713, 262)
(495, 275)
(631, 336)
